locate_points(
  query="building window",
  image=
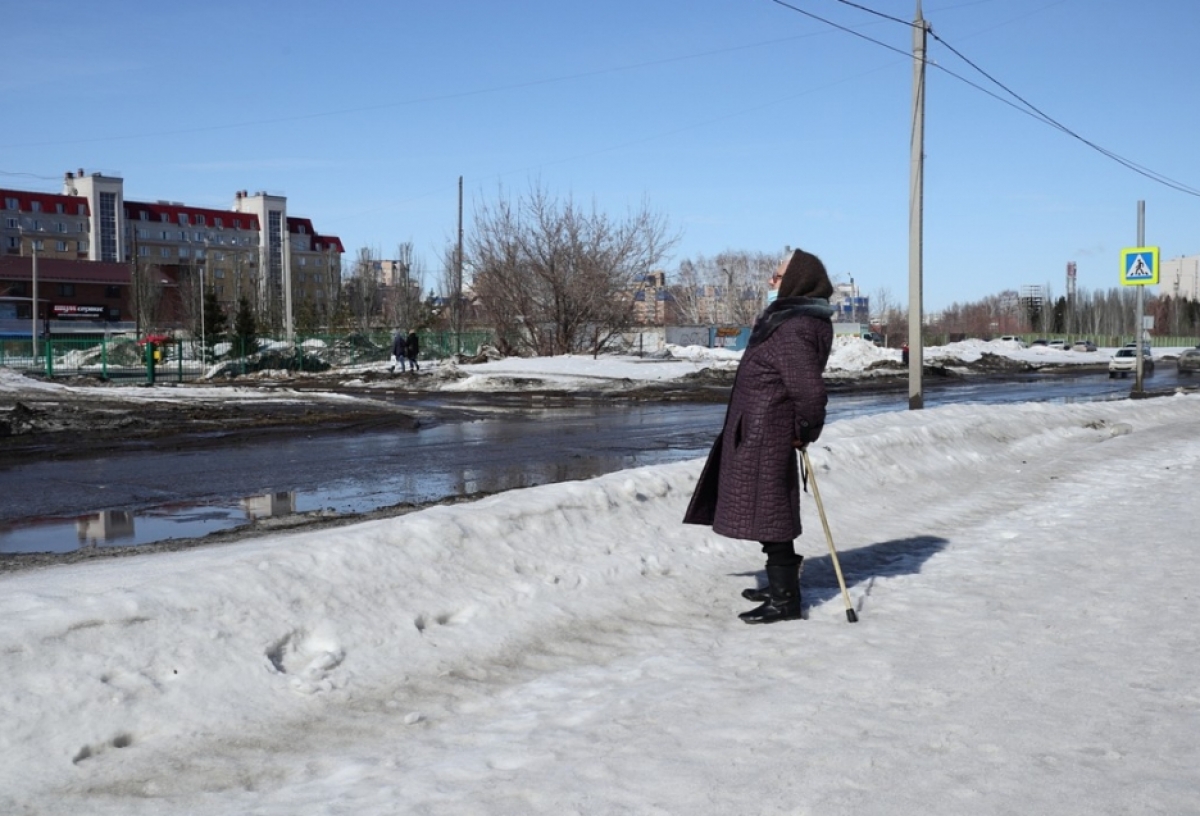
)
(198, 237)
(217, 222)
(164, 252)
(143, 234)
(58, 207)
(61, 246)
(83, 226)
(183, 219)
(220, 273)
(112, 291)
(83, 246)
(37, 225)
(184, 252)
(199, 220)
(143, 251)
(18, 290)
(36, 206)
(39, 245)
(60, 226)
(13, 223)
(14, 242)
(145, 215)
(65, 290)
(107, 227)
(237, 223)
(163, 217)
(11, 204)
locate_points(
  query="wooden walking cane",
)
(851, 615)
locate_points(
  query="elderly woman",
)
(750, 487)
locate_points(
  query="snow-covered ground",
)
(1023, 577)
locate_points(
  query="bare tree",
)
(686, 293)
(363, 290)
(728, 288)
(556, 278)
(147, 294)
(884, 306)
(402, 305)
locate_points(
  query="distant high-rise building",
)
(1180, 278)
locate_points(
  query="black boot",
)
(783, 601)
(763, 594)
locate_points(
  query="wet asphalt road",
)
(147, 496)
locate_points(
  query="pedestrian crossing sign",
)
(1139, 266)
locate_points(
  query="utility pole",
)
(33, 337)
(458, 275)
(1141, 293)
(916, 187)
(203, 292)
(289, 323)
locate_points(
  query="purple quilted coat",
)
(778, 396)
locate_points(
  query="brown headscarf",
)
(805, 276)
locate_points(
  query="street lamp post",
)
(728, 310)
(34, 311)
(33, 302)
(203, 339)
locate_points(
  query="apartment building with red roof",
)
(253, 250)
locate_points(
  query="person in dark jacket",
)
(750, 486)
(399, 351)
(412, 347)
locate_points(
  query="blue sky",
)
(748, 125)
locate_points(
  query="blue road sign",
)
(1139, 266)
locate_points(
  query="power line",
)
(1029, 108)
(1127, 163)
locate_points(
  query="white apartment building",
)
(1180, 277)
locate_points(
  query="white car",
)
(1012, 338)
(1124, 362)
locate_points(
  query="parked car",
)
(1012, 338)
(1189, 361)
(1083, 345)
(1041, 341)
(1124, 362)
(1057, 345)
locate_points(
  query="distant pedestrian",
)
(750, 488)
(412, 347)
(399, 350)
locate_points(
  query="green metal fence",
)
(122, 358)
(170, 359)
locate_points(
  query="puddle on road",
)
(432, 480)
(127, 528)
(123, 528)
